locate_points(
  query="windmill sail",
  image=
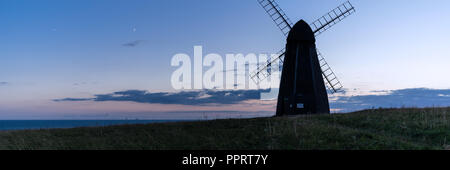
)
(322, 24)
(331, 81)
(332, 18)
(277, 14)
(262, 73)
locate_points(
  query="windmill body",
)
(302, 89)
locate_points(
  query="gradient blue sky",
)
(52, 49)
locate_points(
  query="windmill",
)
(305, 72)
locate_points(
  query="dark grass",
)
(407, 128)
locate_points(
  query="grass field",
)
(370, 129)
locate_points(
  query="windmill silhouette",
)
(305, 73)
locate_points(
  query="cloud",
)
(73, 99)
(417, 97)
(204, 97)
(2, 83)
(133, 43)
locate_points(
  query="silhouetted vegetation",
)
(407, 128)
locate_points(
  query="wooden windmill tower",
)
(305, 74)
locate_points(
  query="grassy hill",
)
(370, 129)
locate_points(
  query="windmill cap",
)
(301, 32)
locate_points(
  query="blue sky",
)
(52, 49)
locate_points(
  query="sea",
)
(51, 124)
